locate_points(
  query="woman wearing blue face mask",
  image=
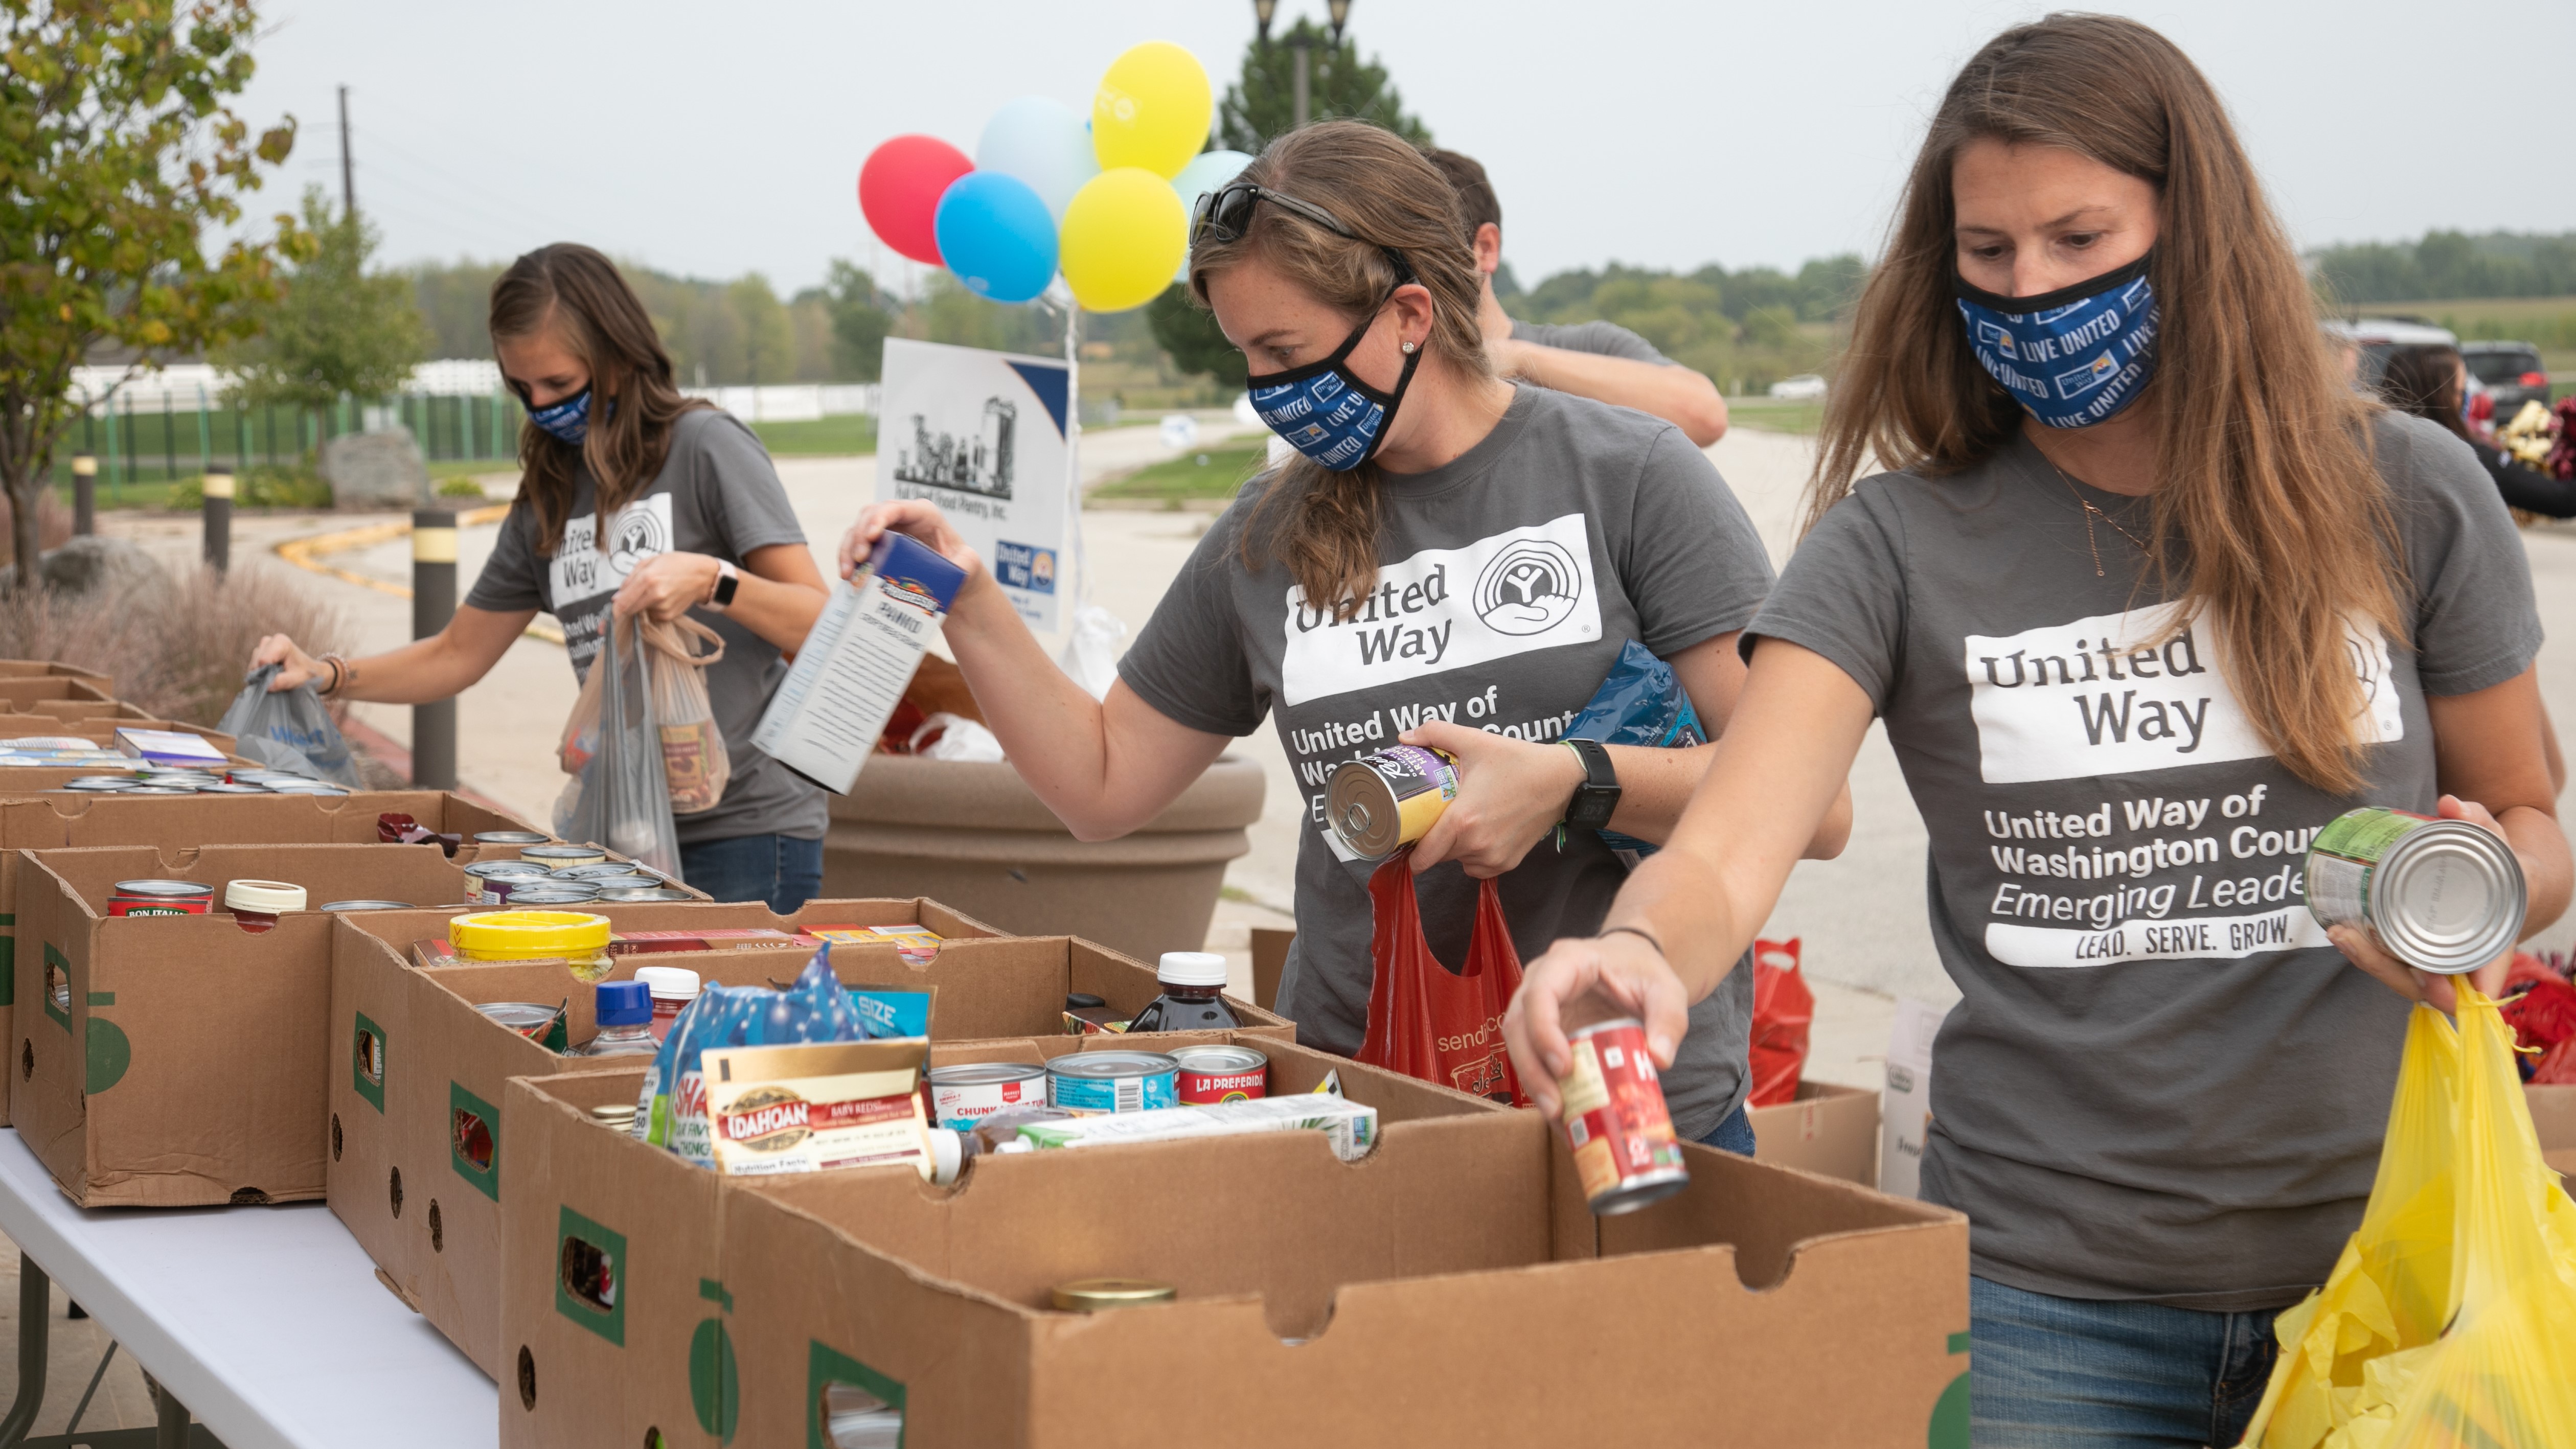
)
(2150, 597)
(633, 500)
(1449, 561)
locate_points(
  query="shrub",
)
(265, 486)
(53, 525)
(460, 487)
(178, 651)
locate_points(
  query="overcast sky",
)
(716, 139)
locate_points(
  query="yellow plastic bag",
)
(2450, 1319)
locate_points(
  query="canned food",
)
(658, 893)
(1090, 1295)
(101, 782)
(628, 887)
(961, 1096)
(556, 857)
(1221, 1073)
(1615, 1119)
(2441, 895)
(364, 906)
(531, 1019)
(551, 896)
(160, 898)
(619, 1115)
(225, 788)
(1378, 804)
(306, 787)
(158, 790)
(1114, 1081)
(599, 871)
(510, 837)
(487, 881)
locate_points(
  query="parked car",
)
(2377, 337)
(1805, 387)
(2511, 372)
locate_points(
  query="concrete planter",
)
(974, 838)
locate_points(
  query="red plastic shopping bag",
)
(1782, 1007)
(1426, 1022)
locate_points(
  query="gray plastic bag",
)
(288, 730)
(622, 798)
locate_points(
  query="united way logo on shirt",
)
(583, 569)
(2100, 696)
(1448, 608)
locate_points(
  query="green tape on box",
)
(369, 1060)
(55, 960)
(586, 1247)
(474, 1125)
(824, 1368)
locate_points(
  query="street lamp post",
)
(1303, 42)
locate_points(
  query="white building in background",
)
(185, 386)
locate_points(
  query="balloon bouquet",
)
(1107, 203)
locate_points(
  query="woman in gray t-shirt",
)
(2151, 598)
(690, 519)
(1482, 552)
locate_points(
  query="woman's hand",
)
(297, 667)
(1622, 968)
(914, 518)
(1511, 794)
(2430, 987)
(667, 585)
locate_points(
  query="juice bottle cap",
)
(625, 1003)
(1191, 968)
(267, 896)
(671, 983)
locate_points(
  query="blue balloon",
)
(996, 235)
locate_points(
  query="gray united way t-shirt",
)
(1507, 582)
(2161, 1082)
(717, 494)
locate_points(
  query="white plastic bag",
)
(1091, 655)
(622, 797)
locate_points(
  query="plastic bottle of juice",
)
(1193, 996)
(625, 1021)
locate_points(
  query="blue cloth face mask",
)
(2072, 357)
(568, 420)
(1325, 411)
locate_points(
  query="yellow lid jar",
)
(576, 938)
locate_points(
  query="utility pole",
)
(348, 176)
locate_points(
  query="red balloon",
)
(899, 190)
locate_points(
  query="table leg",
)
(172, 1430)
(35, 1320)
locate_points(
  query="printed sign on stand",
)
(1905, 1111)
(984, 436)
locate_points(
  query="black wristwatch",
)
(727, 580)
(1597, 798)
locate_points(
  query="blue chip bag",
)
(1641, 703)
(671, 1112)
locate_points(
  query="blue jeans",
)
(1735, 1134)
(780, 870)
(2046, 1372)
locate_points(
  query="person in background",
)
(634, 500)
(2431, 382)
(1599, 360)
(1439, 537)
(2149, 598)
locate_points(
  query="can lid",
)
(163, 888)
(571, 893)
(947, 1155)
(2449, 898)
(1090, 1295)
(671, 983)
(614, 1114)
(364, 906)
(271, 896)
(624, 1003)
(1191, 968)
(508, 837)
(529, 933)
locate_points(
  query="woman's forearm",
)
(782, 613)
(441, 666)
(2541, 845)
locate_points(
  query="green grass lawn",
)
(1218, 473)
(1775, 416)
(845, 436)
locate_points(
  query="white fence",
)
(183, 386)
(800, 402)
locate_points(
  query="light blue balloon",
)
(996, 235)
(1043, 144)
(1207, 171)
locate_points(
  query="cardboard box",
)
(1449, 1289)
(658, 1220)
(30, 693)
(1829, 1129)
(2553, 1117)
(1269, 961)
(399, 1177)
(100, 722)
(56, 669)
(180, 823)
(180, 1060)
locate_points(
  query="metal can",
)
(510, 837)
(1090, 1083)
(556, 857)
(2441, 895)
(961, 1096)
(1221, 1073)
(487, 882)
(1615, 1119)
(552, 895)
(530, 1019)
(364, 906)
(1378, 804)
(628, 887)
(160, 898)
(227, 788)
(598, 871)
(1091, 1295)
(101, 782)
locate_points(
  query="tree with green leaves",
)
(1187, 333)
(1261, 105)
(768, 343)
(335, 330)
(118, 154)
(861, 317)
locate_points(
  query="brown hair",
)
(578, 293)
(1477, 203)
(2425, 381)
(2284, 525)
(1324, 525)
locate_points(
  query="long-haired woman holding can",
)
(2150, 597)
(1449, 561)
(633, 500)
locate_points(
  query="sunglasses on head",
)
(1225, 214)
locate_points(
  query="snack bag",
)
(671, 1111)
(1782, 1007)
(1426, 1022)
(1641, 703)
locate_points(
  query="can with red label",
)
(962, 1095)
(1616, 1121)
(1222, 1073)
(160, 898)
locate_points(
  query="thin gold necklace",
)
(2091, 513)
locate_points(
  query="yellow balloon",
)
(1152, 110)
(1122, 237)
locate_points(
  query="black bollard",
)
(433, 603)
(84, 493)
(219, 519)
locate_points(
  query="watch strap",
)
(728, 579)
(1597, 798)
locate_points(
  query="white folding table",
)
(266, 1322)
